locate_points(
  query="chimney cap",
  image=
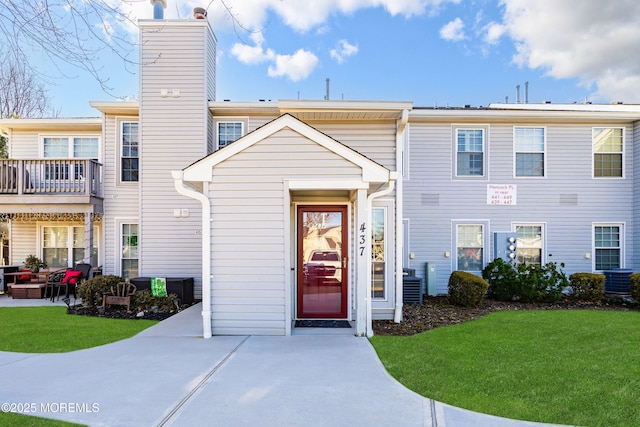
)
(163, 2)
(199, 13)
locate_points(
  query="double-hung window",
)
(228, 132)
(129, 168)
(63, 245)
(529, 243)
(129, 250)
(608, 150)
(470, 247)
(529, 149)
(470, 153)
(607, 245)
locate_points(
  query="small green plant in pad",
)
(634, 286)
(466, 289)
(525, 282)
(586, 287)
(91, 291)
(144, 301)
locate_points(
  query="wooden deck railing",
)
(50, 176)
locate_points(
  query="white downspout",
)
(206, 246)
(392, 179)
(400, 137)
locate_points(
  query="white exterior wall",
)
(121, 199)
(250, 228)
(174, 132)
(434, 201)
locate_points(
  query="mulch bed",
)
(120, 313)
(437, 312)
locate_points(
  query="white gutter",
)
(206, 246)
(400, 138)
(370, 198)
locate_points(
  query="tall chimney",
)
(199, 13)
(158, 8)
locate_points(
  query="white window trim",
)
(120, 123)
(485, 151)
(244, 121)
(544, 152)
(387, 269)
(40, 225)
(485, 223)
(624, 152)
(119, 222)
(70, 137)
(543, 225)
(622, 226)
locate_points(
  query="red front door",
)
(322, 262)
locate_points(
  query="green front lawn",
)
(578, 367)
(52, 330)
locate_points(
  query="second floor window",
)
(63, 147)
(129, 157)
(607, 152)
(529, 148)
(229, 132)
(470, 152)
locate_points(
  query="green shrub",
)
(587, 286)
(502, 279)
(466, 289)
(634, 286)
(525, 282)
(91, 290)
(144, 300)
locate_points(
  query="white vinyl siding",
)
(174, 132)
(248, 220)
(568, 200)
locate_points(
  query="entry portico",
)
(265, 199)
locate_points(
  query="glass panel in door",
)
(322, 262)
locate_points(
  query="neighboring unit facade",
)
(292, 210)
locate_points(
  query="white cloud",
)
(591, 40)
(295, 67)
(343, 51)
(493, 32)
(453, 31)
(252, 54)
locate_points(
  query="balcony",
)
(59, 176)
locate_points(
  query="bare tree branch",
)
(21, 94)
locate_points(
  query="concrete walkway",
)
(169, 376)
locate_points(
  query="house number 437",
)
(362, 238)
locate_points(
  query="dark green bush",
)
(634, 286)
(144, 300)
(525, 282)
(91, 290)
(587, 286)
(466, 289)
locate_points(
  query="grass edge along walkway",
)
(52, 330)
(576, 367)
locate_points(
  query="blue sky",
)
(431, 52)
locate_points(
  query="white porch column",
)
(88, 237)
(362, 249)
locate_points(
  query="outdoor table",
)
(40, 276)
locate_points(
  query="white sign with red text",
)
(501, 194)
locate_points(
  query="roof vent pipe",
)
(526, 92)
(199, 13)
(158, 8)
